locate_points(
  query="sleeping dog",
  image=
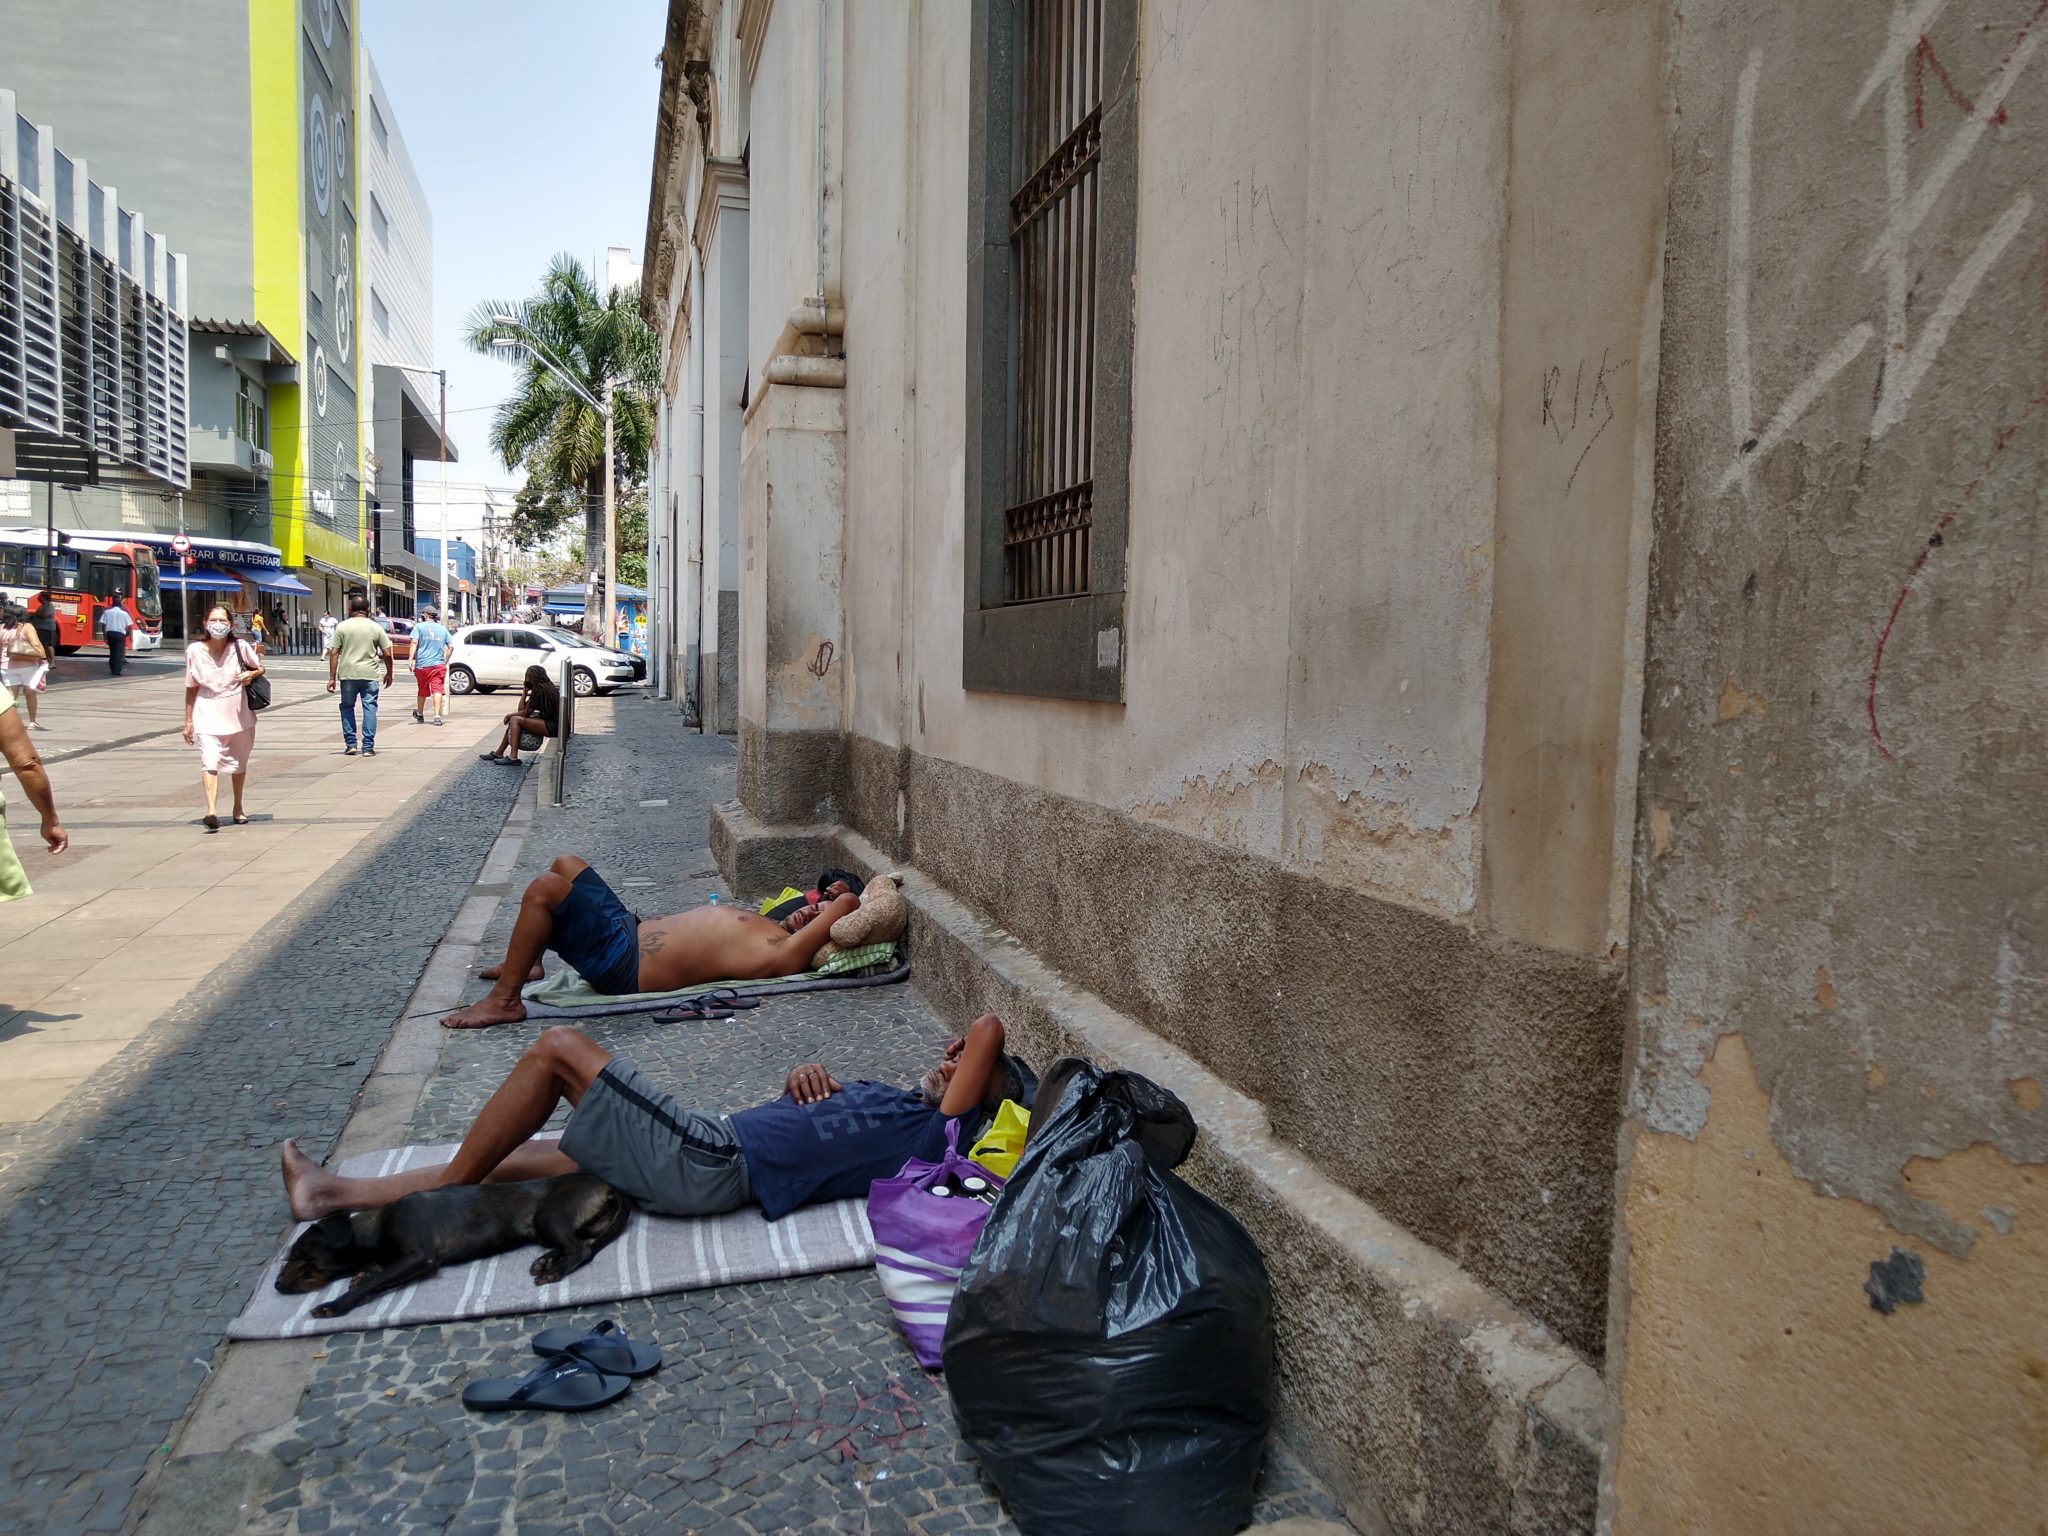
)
(572, 1216)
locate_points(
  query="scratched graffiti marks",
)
(1908, 70)
(1565, 423)
(1892, 253)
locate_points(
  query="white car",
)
(488, 656)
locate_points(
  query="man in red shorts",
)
(430, 644)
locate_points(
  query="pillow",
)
(882, 917)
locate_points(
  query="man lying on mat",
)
(571, 911)
(821, 1140)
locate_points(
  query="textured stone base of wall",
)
(1466, 1086)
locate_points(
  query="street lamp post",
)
(608, 599)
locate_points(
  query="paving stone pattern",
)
(791, 1405)
(138, 1211)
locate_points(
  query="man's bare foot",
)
(307, 1186)
(484, 1013)
(493, 972)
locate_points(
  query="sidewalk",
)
(785, 1406)
(145, 901)
(140, 1203)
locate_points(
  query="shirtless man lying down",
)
(571, 911)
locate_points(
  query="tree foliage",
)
(550, 429)
(632, 520)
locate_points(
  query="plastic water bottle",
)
(714, 898)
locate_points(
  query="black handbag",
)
(258, 692)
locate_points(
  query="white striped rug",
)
(653, 1255)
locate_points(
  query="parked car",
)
(400, 631)
(491, 656)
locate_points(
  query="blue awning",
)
(200, 579)
(277, 581)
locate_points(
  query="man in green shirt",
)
(359, 651)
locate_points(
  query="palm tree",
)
(545, 426)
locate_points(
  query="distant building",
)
(621, 267)
(464, 594)
(398, 333)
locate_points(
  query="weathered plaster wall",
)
(1330, 344)
(782, 157)
(1766, 1395)
(1580, 309)
(1307, 634)
(1844, 805)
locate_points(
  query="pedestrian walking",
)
(115, 621)
(361, 652)
(45, 621)
(537, 716)
(21, 756)
(430, 642)
(218, 672)
(259, 629)
(327, 628)
(24, 663)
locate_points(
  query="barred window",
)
(1058, 137)
(1053, 156)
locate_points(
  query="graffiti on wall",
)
(1899, 82)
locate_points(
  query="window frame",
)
(1068, 647)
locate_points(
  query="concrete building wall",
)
(1330, 350)
(1830, 1312)
(155, 99)
(398, 237)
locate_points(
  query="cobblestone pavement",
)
(784, 1406)
(137, 1211)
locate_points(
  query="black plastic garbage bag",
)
(1110, 1347)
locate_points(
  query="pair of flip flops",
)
(718, 1003)
(579, 1369)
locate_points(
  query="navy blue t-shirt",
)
(798, 1154)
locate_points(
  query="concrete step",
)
(1429, 1403)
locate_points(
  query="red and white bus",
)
(88, 576)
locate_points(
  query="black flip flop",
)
(561, 1384)
(719, 1003)
(606, 1347)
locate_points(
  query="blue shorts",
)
(597, 936)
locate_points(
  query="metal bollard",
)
(558, 765)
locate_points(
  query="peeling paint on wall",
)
(1238, 808)
(1753, 1347)
(1373, 836)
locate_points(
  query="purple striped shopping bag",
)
(922, 1241)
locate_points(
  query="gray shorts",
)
(659, 1155)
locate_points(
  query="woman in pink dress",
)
(217, 712)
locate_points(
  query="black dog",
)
(572, 1216)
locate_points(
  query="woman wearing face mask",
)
(217, 712)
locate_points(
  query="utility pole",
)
(611, 530)
(441, 563)
(184, 587)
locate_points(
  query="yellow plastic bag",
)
(1001, 1143)
(776, 901)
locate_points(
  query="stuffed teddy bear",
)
(882, 916)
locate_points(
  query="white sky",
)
(531, 125)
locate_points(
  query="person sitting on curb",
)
(571, 911)
(820, 1140)
(538, 715)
